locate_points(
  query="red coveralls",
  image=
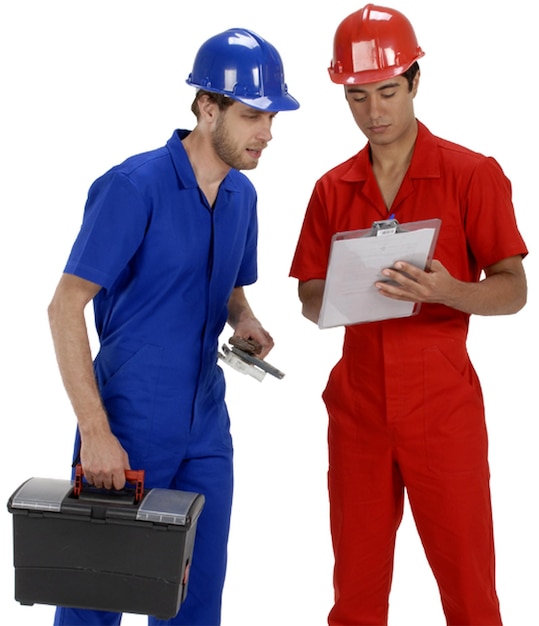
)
(404, 402)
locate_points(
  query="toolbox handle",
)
(131, 476)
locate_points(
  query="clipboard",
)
(356, 261)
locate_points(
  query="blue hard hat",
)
(240, 64)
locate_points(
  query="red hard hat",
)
(373, 44)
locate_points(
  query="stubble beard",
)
(227, 151)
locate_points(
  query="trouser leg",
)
(211, 476)
(455, 526)
(449, 491)
(366, 505)
(450, 499)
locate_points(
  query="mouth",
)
(378, 129)
(255, 154)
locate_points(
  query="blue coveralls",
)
(167, 263)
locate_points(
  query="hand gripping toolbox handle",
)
(135, 477)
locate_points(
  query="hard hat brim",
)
(369, 76)
(283, 103)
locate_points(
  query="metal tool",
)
(241, 356)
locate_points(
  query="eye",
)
(388, 95)
(358, 97)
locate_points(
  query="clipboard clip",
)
(385, 227)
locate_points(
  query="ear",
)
(208, 108)
(415, 84)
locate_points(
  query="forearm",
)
(310, 294)
(73, 354)
(103, 459)
(503, 293)
(239, 309)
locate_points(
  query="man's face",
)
(240, 135)
(383, 111)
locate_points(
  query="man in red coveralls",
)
(404, 402)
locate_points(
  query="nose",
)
(374, 108)
(264, 130)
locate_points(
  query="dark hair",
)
(410, 74)
(222, 101)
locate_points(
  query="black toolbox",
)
(127, 551)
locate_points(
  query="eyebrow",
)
(381, 88)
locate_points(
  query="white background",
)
(86, 84)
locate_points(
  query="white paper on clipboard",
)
(356, 261)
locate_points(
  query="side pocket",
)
(456, 435)
(128, 389)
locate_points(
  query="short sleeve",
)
(312, 251)
(491, 228)
(115, 221)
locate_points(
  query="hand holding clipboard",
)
(356, 261)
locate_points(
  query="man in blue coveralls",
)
(167, 243)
